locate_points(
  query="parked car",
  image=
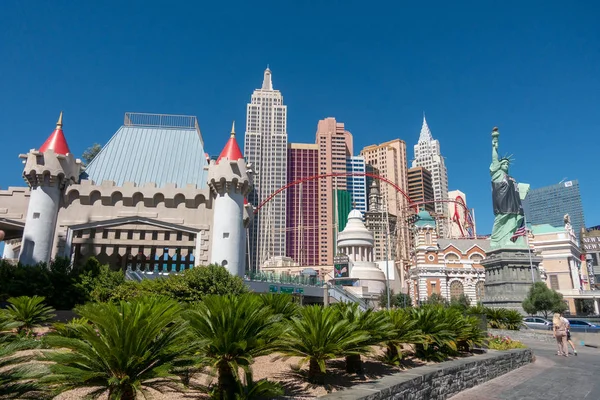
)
(537, 323)
(579, 325)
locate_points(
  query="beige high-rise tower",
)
(390, 159)
(335, 145)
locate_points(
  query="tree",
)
(542, 299)
(229, 331)
(123, 348)
(90, 153)
(374, 323)
(28, 312)
(462, 302)
(436, 299)
(400, 300)
(318, 335)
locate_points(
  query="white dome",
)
(355, 233)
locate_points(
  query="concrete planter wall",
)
(439, 381)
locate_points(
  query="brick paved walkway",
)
(550, 377)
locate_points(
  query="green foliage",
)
(461, 302)
(17, 379)
(503, 343)
(124, 349)
(400, 300)
(436, 299)
(438, 338)
(229, 331)
(262, 389)
(90, 153)
(403, 330)
(502, 318)
(376, 324)
(542, 299)
(282, 304)
(28, 312)
(319, 334)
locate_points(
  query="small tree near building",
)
(90, 153)
(542, 299)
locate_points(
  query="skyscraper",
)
(429, 156)
(420, 187)
(357, 185)
(389, 159)
(302, 219)
(548, 205)
(265, 148)
(335, 146)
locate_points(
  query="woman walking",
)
(560, 333)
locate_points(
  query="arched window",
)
(476, 258)
(479, 290)
(456, 289)
(452, 258)
(428, 238)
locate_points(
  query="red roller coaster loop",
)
(333, 175)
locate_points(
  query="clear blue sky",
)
(530, 67)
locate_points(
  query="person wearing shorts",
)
(569, 341)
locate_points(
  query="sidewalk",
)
(549, 377)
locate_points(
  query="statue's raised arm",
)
(495, 135)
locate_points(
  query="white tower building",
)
(265, 148)
(230, 181)
(429, 156)
(356, 241)
(47, 171)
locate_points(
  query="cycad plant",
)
(17, 377)
(317, 335)
(125, 348)
(437, 337)
(229, 331)
(465, 330)
(29, 312)
(282, 304)
(403, 330)
(262, 389)
(376, 324)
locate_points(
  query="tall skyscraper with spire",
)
(265, 148)
(429, 156)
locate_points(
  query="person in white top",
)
(569, 341)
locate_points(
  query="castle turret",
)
(230, 181)
(47, 172)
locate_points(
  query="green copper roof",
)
(425, 219)
(546, 228)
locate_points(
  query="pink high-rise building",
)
(302, 240)
(335, 146)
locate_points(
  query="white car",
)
(537, 323)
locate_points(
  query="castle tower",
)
(47, 172)
(230, 181)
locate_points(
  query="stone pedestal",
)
(508, 277)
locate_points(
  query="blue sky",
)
(531, 68)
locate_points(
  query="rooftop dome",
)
(355, 233)
(425, 219)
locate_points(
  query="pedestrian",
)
(569, 341)
(559, 326)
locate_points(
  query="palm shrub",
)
(318, 334)
(125, 348)
(229, 331)
(437, 336)
(17, 378)
(282, 304)
(262, 389)
(374, 323)
(403, 329)
(465, 330)
(28, 312)
(502, 318)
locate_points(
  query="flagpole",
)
(528, 249)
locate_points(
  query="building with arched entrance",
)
(447, 267)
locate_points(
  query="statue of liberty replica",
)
(510, 267)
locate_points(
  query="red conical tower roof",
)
(56, 141)
(232, 149)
